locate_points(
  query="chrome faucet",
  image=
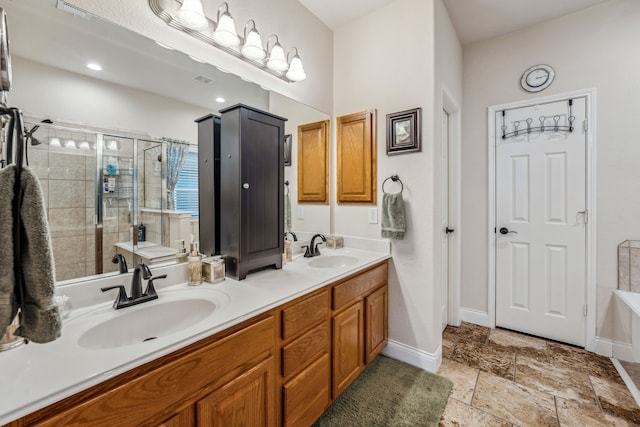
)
(121, 261)
(141, 271)
(312, 249)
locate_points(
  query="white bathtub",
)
(631, 300)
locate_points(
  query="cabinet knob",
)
(245, 185)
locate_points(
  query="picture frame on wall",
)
(287, 150)
(403, 132)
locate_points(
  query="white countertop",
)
(33, 376)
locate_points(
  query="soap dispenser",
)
(182, 255)
(194, 265)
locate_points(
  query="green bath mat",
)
(389, 393)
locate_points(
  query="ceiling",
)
(474, 20)
(42, 33)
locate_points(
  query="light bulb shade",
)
(277, 60)
(252, 47)
(296, 72)
(225, 33)
(54, 142)
(191, 15)
(84, 145)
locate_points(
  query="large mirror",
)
(144, 96)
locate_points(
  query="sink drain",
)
(149, 339)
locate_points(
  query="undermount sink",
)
(171, 313)
(333, 261)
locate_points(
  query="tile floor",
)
(503, 378)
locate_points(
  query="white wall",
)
(448, 84)
(292, 22)
(595, 48)
(392, 70)
(48, 92)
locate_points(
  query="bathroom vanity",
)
(280, 364)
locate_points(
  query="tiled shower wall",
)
(68, 183)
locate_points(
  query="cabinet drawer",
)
(300, 316)
(349, 291)
(304, 349)
(306, 396)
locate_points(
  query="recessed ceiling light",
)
(93, 66)
(220, 99)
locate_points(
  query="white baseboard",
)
(413, 356)
(475, 316)
(622, 351)
(602, 346)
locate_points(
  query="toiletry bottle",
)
(288, 256)
(194, 265)
(182, 255)
(141, 232)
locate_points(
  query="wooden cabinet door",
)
(184, 418)
(307, 395)
(313, 162)
(348, 347)
(246, 401)
(356, 158)
(376, 322)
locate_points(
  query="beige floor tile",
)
(514, 342)
(513, 402)
(485, 358)
(463, 378)
(458, 414)
(581, 360)
(468, 332)
(578, 414)
(616, 399)
(556, 380)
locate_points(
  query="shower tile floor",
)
(504, 378)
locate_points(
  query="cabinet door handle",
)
(245, 185)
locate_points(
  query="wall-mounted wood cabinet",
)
(356, 158)
(313, 162)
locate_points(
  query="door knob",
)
(245, 185)
(505, 230)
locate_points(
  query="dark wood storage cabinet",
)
(209, 183)
(251, 191)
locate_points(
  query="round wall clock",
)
(537, 78)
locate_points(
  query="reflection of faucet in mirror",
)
(295, 238)
(121, 261)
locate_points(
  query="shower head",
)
(28, 135)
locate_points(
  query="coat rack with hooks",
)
(555, 127)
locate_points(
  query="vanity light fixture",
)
(252, 47)
(225, 32)
(277, 61)
(192, 16)
(178, 14)
(296, 71)
(94, 66)
(54, 142)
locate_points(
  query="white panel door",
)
(540, 218)
(444, 215)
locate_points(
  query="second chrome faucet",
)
(141, 271)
